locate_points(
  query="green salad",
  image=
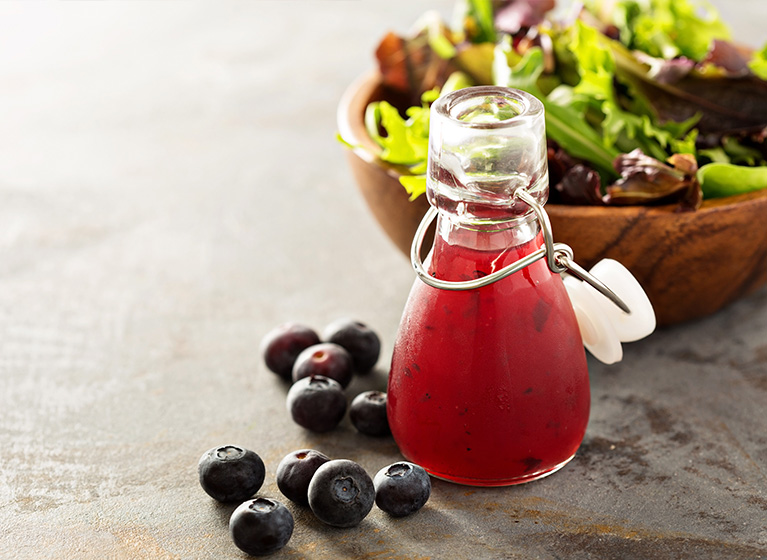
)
(647, 101)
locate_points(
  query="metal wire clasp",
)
(559, 257)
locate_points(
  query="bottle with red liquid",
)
(488, 385)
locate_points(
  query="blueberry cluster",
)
(339, 492)
(321, 368)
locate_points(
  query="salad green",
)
(758, 64)
(646, 100)
(663, 28)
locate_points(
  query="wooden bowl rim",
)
(351, 127)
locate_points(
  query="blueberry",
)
(327, 359)
(402, 488)
(361, 342)
(368, 413)
(261, 526)
(295, 472)
(231, 473)
(341, 493)
(317, 403)
(282, 345)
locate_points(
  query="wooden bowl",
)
(690, 264)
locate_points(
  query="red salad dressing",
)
(489, 387)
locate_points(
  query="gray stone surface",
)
(170, 189)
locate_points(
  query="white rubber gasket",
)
(629, 327)
(598, 334)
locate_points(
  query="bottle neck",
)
(485, 144)
(465, 250)
(486, 237)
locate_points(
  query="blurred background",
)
(116, 109)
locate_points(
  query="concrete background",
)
(170, 190)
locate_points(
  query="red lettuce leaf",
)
(728, 56)
(572, 181)
(511, 16)
(410, 67)
(645, 180)
(724, 104)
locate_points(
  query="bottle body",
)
(488, 386)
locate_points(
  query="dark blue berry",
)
(295, 472)
(317, 403)
(341, 493)
(231, 473)
(282, 345)
(368, 413)
(361, 342)
(326, 359)
(261, 526)
(402, 488)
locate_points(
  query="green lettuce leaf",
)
(758, 63)
(594, 59)
(406, 141)
(415, 185)
(564, 124)
(664, 28)
(726, 179)
(479, 16)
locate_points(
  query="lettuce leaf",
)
(479, 17)
(758, 63)
(627, 129)
(726, 179)
(406, 140)
(664, 28)
(564, 124)
(645, 179)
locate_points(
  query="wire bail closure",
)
(559, 258)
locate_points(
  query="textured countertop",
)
(170, 190)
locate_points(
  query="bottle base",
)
(485, 482)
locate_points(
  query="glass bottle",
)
(488, 386)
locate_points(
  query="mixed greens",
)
(647, 101)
